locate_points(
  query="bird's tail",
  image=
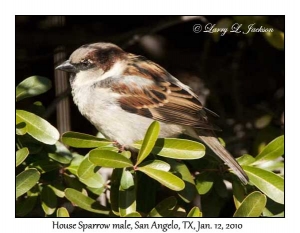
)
(221, 152)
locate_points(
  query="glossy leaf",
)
(94, 181)
(180, 169)
(252, 206)
(80, 140)
(21, 155)
(148, 142)
(26, 180)
(275, 38)
(126, 180)
(21, 128)
(114, 190)
(165, 208)
(165, 178)
(37, 127)
(133, 215)
(32, 86)
(272, 151)
(44, 166)
(269, 183)
(111, 159)
(245, 159)
(156, 164)
(86, 168)
(176, 148)
(73, 167)
(24, 207)
(204, 182)
(85, 202)
(49, 200)
(62, 212)
(60, 158)
(127, 201)
(239, 193)
(194, 213)
(57, 188)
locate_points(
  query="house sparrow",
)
(121, 94)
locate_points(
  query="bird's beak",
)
(67, 66)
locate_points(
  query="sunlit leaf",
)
(204, 182)
(165, 178)
(80, 140)
(126, 180)
(26, 180)
(32, 86)
(37, 127)
(49, 200)
(148, 142)
(156, 164)
(165, 208)
(176, 148)
(62, 212)
(85, 202)
(275, 38)
(272, 151)
(269, 183)
(21, 155)
(111, 159)
(194, 213)
(252, 206)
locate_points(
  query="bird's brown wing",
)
(149, 90)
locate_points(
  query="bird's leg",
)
(121, 147)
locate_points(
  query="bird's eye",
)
(85, 64)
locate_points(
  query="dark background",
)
(240, 77)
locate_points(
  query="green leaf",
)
(80, 140)
(106, 158)
(165, 178)
(148, 142)
(49, 200)
(86, 168)
(114, 190)
(25, 206)
(189, 192)
(263, 121)
(133, 215)
(239, 193)
(32, 86)
(85, 202)
(156, 164)
(127, 201)
(26, 180)
(165, 208)
(204, 182)
(126, 180)
(60, 158)
(37, 127)
(44, 166)
(73, 167)
(176, 148)
(194, 213)
(269, 183)
(272, 151)
(252, 206)
(275, 38)
(62, 212)
(21, 128)
(21, 155)
(57, 188)
(245, 159)
(94, 181)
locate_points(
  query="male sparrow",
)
(121, 94)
